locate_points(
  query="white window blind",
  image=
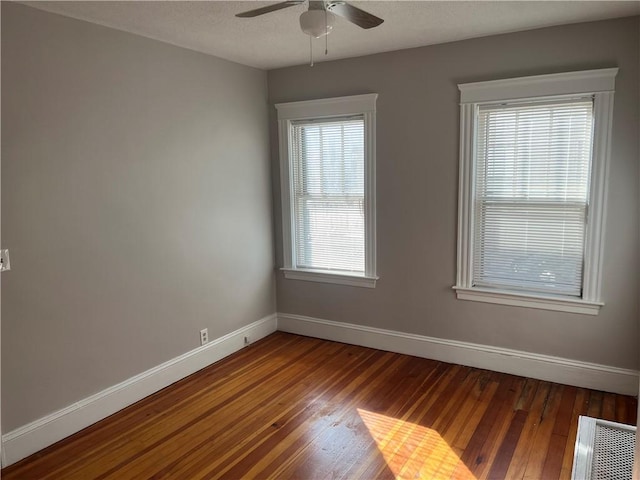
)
(531, 195)
(328, 164)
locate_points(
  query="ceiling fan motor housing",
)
(317, 23)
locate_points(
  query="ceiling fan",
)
(318, 20)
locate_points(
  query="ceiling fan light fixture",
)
(317, 23)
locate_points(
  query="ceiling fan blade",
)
(269, 8)
(354, 14)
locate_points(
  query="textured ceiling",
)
(275, 40)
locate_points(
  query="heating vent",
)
(604, 450)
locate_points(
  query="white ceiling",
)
(275, 40)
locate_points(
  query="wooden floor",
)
(297, 407)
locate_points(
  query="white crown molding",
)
(566, 83)
(49, 429)
(514, 362)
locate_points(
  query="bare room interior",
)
(320, 239)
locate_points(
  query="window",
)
(533, 166)
(532, 176)
(327, 152)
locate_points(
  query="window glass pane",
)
(532, 184)
(328, 175)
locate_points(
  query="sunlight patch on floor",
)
(412, 451)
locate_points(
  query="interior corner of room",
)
(142, 203)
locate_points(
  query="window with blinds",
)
(532, 171)
(328, 194)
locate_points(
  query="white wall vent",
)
(604, 450)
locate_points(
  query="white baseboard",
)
(525, 364)
(45, 431)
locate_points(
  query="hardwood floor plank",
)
(621, 408)
(595, 404)
(631, 411)
(563, 417)
(158, 408)
(493, 425)
(422, 452)
(542, 438)
(507, 447)
(330, 417)
(351, 436)
(456, 402)
(522, 451)
(555, 452)
(266, 420)
(330, 408)
(609, 407)
(371, 467)
(292, 407)
(374, 460)
(559, 437)
(472, 412)
(164, 439)
(423, 422)
(527, 395)
(148, 411)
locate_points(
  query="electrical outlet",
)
(204, 336)
(246, 340)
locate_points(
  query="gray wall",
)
(136, 202)
(417, 175)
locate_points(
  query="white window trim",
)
(313, 109)
(599, 83)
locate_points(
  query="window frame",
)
(328, 108)
(597, 83)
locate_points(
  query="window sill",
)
(327, 277)
(502, 297)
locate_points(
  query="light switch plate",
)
(5, 263)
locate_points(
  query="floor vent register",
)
(604, 450)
